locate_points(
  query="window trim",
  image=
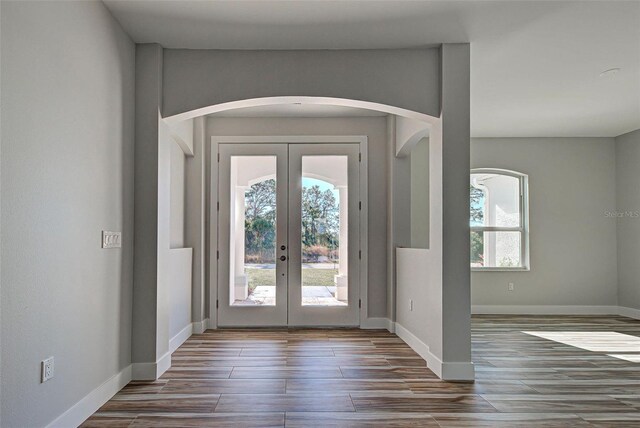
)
(523, 179)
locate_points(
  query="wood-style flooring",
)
(542, 371)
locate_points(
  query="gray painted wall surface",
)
(391, 194)
(145, 291)
(195, 215)
(573, 243)
(165, 307)
(176, 217)
(399, 224)
(628, 226)
(179, 274)
(406, 78)
(420, 195)
(456, 135)
(67, 173)
(375, 129)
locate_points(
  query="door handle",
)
(283, 258)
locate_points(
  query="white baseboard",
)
(199, 327)
(555, 310)
(377, 323)
(417, 345)
(211, 324)
(391, 326)
(178, 339)
(84, 408)
(629, 312)
(453, 371)
(444, 370)
(544, 310)
(136, 371)
(163, 364)
(151, 371)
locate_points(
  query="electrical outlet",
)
(511, 286)
(111, 239)
(47, 369)
(410, 305)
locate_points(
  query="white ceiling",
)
(535, 65)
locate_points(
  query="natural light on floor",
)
(633, 358)
(596, 341)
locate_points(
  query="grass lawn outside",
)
(309, 277)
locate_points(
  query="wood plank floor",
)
(551, 371)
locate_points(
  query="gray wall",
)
(67, 173)
(179, 293)
(166, 281)
(406, 78)
(628, 222)
(195, 224)
(399, 213)
(176, 216)
(455, 139)
(573, 243)
(146, 293)
(375, 129)
(178, 269)
(420, 194)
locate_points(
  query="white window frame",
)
(524, 223)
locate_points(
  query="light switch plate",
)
(111, 239)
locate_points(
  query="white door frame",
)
(267, 315)
(311, 315)
(289, 139)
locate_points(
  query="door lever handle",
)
(283, 258)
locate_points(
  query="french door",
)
(288, 235)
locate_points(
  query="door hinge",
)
(218, 206)
(216, 304)
(359, 303)
(218, 157)
(360, 205)
(359, 254)
(217, 254)
(359, 157)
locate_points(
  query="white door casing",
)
(355, 147)
(217, 267)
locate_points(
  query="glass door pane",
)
(324, 232)
(252, 231)
(252, 235)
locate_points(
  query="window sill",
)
(500, 269)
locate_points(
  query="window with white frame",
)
(498, 220)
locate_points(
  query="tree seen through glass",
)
(320, 222)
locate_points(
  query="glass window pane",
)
(252, 243)
(324, 231)
(495, 249)
(495, 200)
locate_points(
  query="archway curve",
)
(342, 102)
(316, 175)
